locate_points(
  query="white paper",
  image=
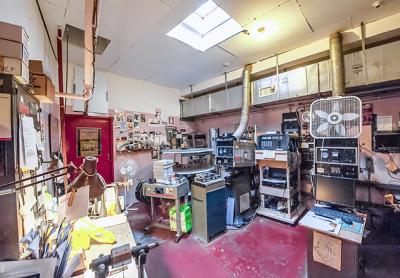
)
(79, 207)
(29, 143)
(384, 123)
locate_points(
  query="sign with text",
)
(89, 141)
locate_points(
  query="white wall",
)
(138, 95)
(26, 14)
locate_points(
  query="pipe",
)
(62, 102)
(88, 49)
(71, 96)
(337, 64)
(246, 95)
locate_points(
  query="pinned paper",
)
(79, 207)
(29, 143)
(327, 250)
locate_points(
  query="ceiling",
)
(140, 48)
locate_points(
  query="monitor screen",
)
(335, 191)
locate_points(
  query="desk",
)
(350, 249)
(118, 225)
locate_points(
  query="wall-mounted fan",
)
(128, 170)
(336, 117)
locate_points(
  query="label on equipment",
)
(320, 170)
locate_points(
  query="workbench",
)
(120, 227)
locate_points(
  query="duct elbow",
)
(246, 97)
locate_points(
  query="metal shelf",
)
(194, 170)
(188, 151)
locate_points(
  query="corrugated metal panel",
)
(235, 97)
(265, 90)
(324, 76)
(354, 69)
(283, 90)
(219, 101)
(297, 82)
(187, 109)
(201, 105)
(391, 61)
(312, 79)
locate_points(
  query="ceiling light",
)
(262, 29)
(206, 27)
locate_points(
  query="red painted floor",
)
(262, 249)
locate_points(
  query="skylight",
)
(205, 27)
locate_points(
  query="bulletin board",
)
(145, 130)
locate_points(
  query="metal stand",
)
(158, 224)
(127, 207)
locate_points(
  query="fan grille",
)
(337, 117)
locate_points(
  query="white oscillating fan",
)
(336, 117)
(128, 171)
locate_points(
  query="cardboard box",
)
(11, 49)
(15, 67)
(13, 32)
(43, 88)
(36, 66)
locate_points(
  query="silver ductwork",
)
(337, 64)
(246, 95)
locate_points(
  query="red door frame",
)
(111, 129)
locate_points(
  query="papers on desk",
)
(79, 208)
(30, 156)
(321, 223)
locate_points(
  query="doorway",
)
(91, 136)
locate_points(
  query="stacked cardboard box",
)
(14, 55)
(43, 88)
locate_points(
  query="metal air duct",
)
(337, 64)
(246, 95)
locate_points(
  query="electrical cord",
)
(245, 224)
(391, 159)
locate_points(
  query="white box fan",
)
(336, 117)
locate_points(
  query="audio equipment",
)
(336, 157)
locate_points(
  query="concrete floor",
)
(264, 248)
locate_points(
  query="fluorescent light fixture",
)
(205, 27)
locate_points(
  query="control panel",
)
(172, 191)
(208, 179)
(336, 157)
(233, 153)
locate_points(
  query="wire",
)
(245, 224)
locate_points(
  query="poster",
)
(327, 250)
(367, 110)
(89, 142)
(29, 138)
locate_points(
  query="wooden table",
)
(349, 250)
